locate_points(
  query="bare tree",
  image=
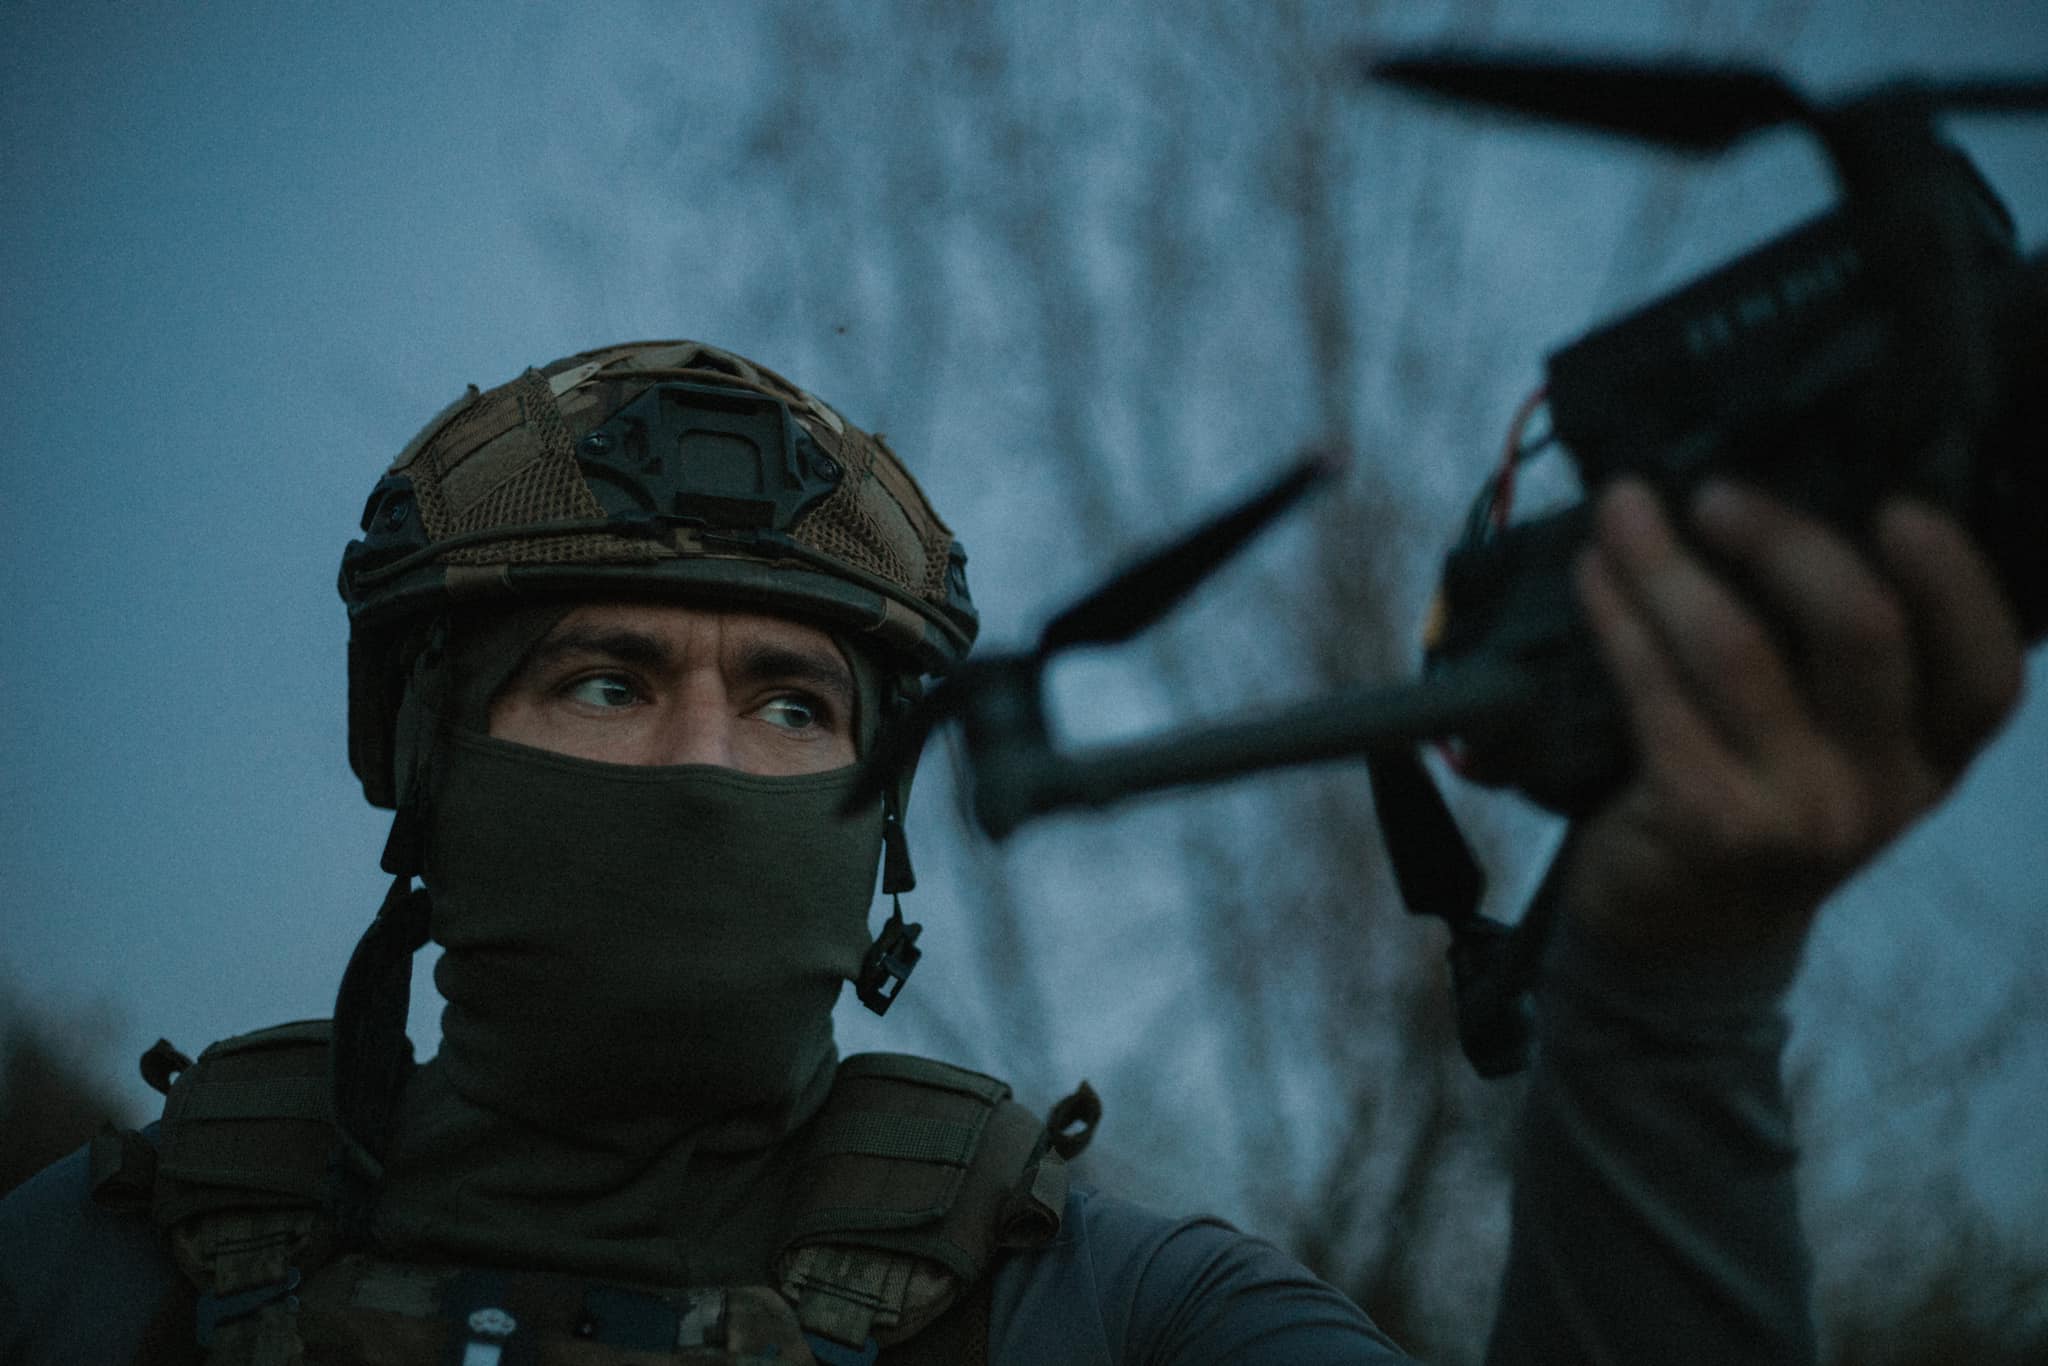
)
(1096, 270)
(54, 1093)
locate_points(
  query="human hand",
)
(1771, 766)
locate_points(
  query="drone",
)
(1897, 343)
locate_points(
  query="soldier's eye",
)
(608, 691)
(792, 713)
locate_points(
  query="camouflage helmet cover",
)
(651, 469)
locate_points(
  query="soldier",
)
(620, 630)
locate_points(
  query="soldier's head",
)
(619, 629)
(645, 476)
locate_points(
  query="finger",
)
(1728, 664)
(1668, 728)
(1971, 654)
(1853, 650)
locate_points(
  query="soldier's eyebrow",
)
(764, 661)
(624, 645)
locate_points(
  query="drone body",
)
(1897, 344)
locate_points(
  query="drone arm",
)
(1019, 776)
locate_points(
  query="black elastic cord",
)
(1432, 864)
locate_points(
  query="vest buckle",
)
(889, 963)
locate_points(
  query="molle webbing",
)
(916, 1175)
(361, 1309)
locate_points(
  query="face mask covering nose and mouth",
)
(625, 947)
(623, 942)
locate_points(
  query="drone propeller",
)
(1689, 106)
(1991, 96)
(1674, 103)
(1134, 599)
(1152, 587)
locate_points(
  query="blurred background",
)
(1093, 269)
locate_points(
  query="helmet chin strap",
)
(894, 954)
(372, 1054)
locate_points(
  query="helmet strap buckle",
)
(889, 961)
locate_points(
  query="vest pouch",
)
(915, 1175)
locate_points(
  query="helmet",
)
(651, 469)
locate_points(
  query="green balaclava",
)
(639, 967)
(621, 943)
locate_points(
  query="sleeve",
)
(1124, 1286)
(77, 1283)
(1654, 1216)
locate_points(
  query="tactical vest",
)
(917, 1176)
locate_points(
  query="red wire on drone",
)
(1502, 505)
(1511, 454)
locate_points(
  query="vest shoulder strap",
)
(248, 1126)
(236, 1181)
(916, 1176)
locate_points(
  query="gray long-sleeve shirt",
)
(1654, 1219)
